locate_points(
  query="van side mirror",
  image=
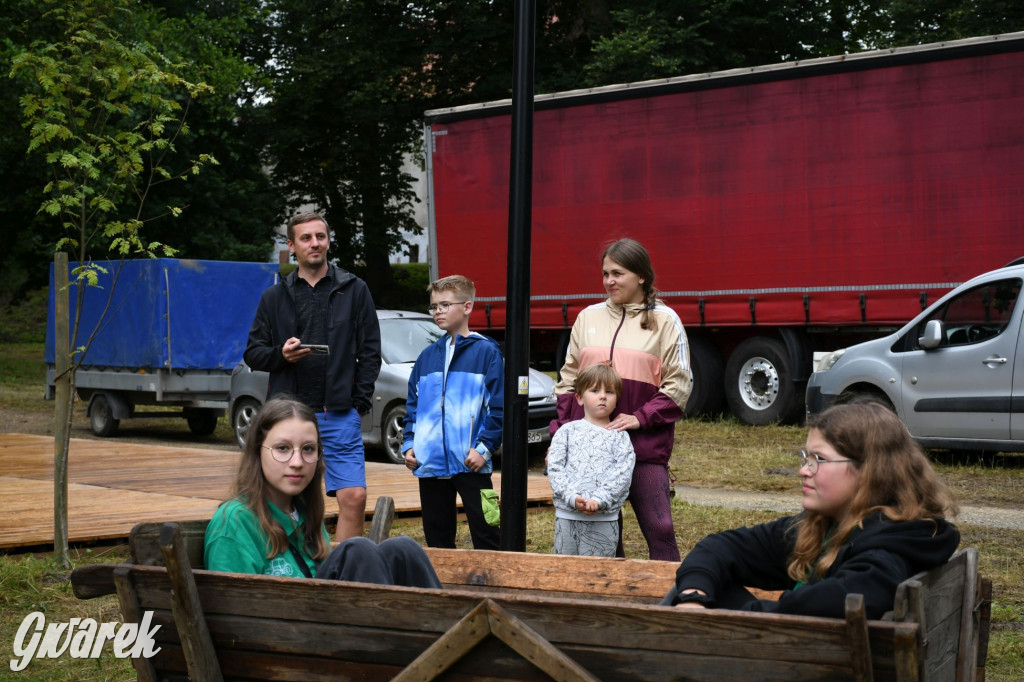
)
(934, 335)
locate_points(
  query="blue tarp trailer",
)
(170, 333)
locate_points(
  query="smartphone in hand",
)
(318, 349)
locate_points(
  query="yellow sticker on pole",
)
(524, 385)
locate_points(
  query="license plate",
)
(536, 435)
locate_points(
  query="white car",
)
(403, 335)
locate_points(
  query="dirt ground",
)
(168, 430)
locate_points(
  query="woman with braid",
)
(874, 514)
(643, 340)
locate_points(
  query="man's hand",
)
(291, 352)
(410, 460)
(474, 460)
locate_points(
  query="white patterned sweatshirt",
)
(592, 462)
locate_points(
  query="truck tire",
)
(391, 430)
(201, 422)
(708, 392)
(241, 418)
(759, 383)
(101, 417)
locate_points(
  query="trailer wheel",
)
(101, 417)
(391, 430)
(241, 418)
(201, 422)
(759, 384)
(708, 393)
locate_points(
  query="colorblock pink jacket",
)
(654, 365)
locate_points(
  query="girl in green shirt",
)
(273, 525)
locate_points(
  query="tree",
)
(24, 243)
(232, 213)
(106, 110)
(344, 106)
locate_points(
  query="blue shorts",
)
(344, 457)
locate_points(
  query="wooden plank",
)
(449, 647)
(984, 624)
(859, 643)
(113, 485)
(970, 618)
(383, 517)
(200, 655)
(94, 513)
(566, 574)
(131, 611)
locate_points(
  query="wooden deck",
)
(114, 485)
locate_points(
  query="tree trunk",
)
(63, 400)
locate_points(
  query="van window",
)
(978, 314)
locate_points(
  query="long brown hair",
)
(896, 479)
(632, 255)
(251, 484)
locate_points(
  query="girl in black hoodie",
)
(875, 513)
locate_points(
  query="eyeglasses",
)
(813, 460)
(443, 306)
(282, 452)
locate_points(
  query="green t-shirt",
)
(235, 542)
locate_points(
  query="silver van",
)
(950, 373)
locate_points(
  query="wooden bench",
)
(520, 616)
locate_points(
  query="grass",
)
(22, 376)
(723, 453)
(714, 454)
(30, 583)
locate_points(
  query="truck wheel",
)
(708, 369)
(758, 383)
(245, 412)
(391, 430)
(101, 417)
(201, 422)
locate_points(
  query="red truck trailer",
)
(788, 209)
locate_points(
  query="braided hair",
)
(632, 255)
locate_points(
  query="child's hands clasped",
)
(586, 506)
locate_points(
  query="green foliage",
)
(345, 107)
(105, 109)
(24, 321)
(410, 290)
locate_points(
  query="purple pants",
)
(649, 497)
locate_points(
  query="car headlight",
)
(826, 361)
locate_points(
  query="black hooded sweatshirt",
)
(872, 562)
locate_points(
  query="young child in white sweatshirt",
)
(590, 467)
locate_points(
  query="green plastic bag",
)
(491, 506)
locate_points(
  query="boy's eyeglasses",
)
(282, 452)
(813, 460)
(443, 306)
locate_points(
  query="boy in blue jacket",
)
(453, 422)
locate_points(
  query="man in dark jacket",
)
(316, 333)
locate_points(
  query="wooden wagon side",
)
(500, 623)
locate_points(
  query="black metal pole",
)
(517, 322)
